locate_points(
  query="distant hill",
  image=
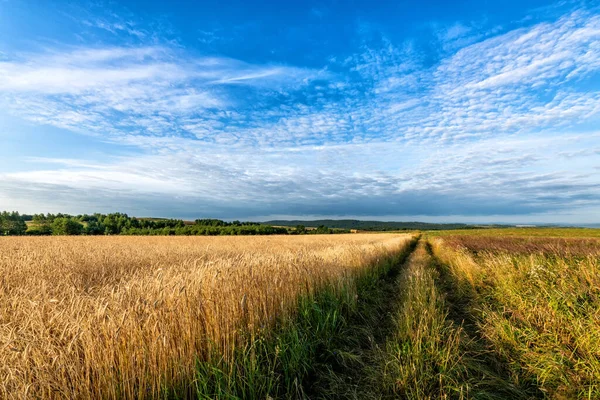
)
(595, 226)
(370, 225)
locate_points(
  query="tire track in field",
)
(416, 336)
(355, 374)
(489, 368)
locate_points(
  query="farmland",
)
(506, 313)
(532, 306)
(115, 317)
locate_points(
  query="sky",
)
(463, 111)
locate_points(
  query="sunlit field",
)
(526, 232)
(130, 317)
(529, 308)
(452, 314)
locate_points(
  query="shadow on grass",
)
(496, 376)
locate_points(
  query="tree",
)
(94, 228)
(210, 222)
(40, 230)
(12, 224)
(322, 229)
(66, 226)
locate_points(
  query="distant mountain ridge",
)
(370, 225)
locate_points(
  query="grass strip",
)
(436, 350)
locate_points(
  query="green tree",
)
(94, 228)
(12, 223)
(322, 229)
(66, 226)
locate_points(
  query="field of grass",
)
(453, 314)
(535, 304)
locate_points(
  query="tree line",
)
(13, 223)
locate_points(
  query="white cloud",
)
(116, 26)
(521, 173)
(487, 88)
(115, 92)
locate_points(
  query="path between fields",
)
(359, 373)
(360, 358)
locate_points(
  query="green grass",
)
(423, 357)
(435, 350)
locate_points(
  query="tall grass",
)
(539, 308)
(424, 357)
(138, 317)
(529, 232)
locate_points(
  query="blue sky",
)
(475, 111)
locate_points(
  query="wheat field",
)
(127, 317)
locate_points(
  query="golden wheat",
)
(126, 317)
